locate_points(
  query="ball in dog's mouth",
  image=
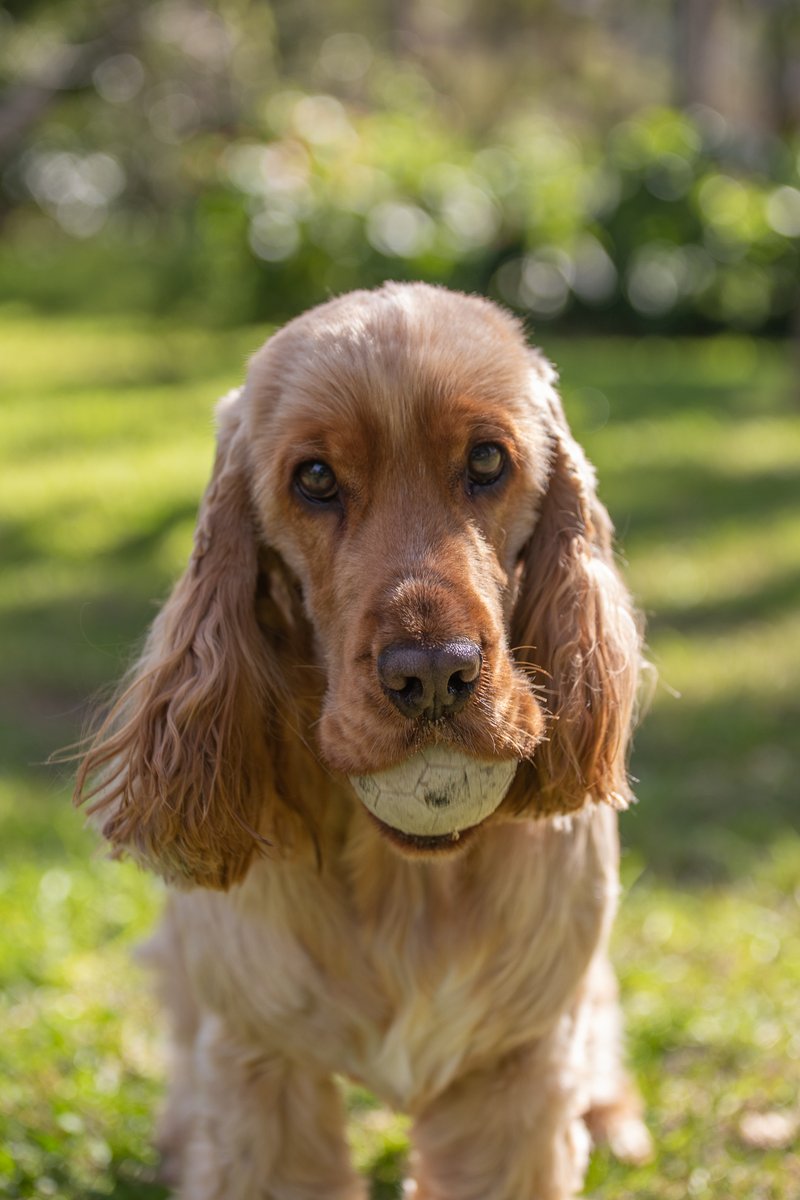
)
(436, 795)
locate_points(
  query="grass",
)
(106, 446)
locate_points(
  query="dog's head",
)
(400, 553)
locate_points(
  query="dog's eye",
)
(485, 463)
(316, 481)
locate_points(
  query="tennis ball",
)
(438, 791)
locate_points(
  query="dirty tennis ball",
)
(437, 792)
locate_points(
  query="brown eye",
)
(316, 481)
(486, 463)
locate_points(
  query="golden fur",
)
(469, 987)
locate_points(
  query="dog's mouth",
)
(436, 797)
(417, 844)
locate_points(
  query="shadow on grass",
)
(22, 540)
(679, 501)
(651, 398)
(779, 596)
(674, 501)
(57, 654)
(658, 378)
(717, 785)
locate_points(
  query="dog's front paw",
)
(624, 1132)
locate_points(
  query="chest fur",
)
(404, 975)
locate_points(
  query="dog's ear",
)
(181, 772)
(575, 626)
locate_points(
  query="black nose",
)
(429, 681)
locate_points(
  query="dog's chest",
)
(405, 1011)
(405, 978)
(427, 1038)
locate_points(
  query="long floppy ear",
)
(575, 625)
(180, 771)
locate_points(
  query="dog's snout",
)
(429, 681)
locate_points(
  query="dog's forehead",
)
(392, 363)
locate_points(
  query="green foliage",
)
(661, 226)
(230, 166)
(107, 444)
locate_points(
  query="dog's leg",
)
(263, 1128)
(512, 1132)
(614, 1117)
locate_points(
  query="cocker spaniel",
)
(376, 742)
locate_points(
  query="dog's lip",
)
(427, 843)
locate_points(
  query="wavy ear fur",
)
(181, 771)
(575, 624)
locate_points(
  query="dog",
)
(401, 572)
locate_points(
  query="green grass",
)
(106, 444)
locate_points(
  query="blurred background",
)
(605, 164)
(179, 177)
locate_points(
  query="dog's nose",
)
(429, 681)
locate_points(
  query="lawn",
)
(106, 444)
